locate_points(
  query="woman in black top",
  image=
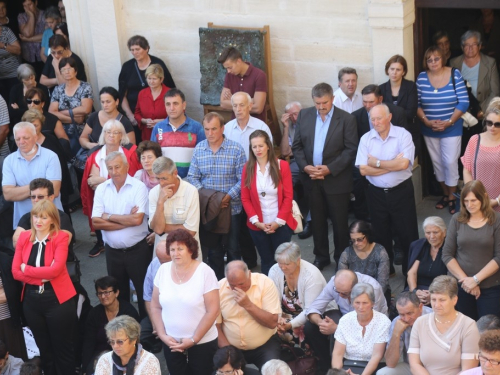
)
(132, 77)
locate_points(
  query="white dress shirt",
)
(233, 132)
(342, 101)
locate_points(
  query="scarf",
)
(119, 369)
(148, 181)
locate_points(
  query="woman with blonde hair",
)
(48, 303)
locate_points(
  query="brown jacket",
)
(213, 218)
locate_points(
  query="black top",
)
(50, 123)
(96, 126)
(130, 83)
(428, 269)
(17, 96)
(49, 72)
(11, 286)
(95, 339)
(34, 252)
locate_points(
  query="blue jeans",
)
(267, 244)
(216, 253)
(487, 303)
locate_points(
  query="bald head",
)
(238, 275)
(344, 282)
(242, 104)
(161, 252)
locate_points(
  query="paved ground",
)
(93, 268)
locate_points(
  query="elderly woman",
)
(48, 303)
(478, 69)
(184, 307)
(109, 103)
(18, 105)
(132, 78)
(481, 159)
(150, 108)
(276, 367)
(472, 252)
(442, 99)
(366, 256)
(361, 335)
(71, 102)
(9, 56)
(489, 355)
(229, 360)
(425, 258)
(127, 357)
(444, 341)
(113, 138)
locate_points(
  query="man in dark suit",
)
(325, 146)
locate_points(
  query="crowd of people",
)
(180, 208)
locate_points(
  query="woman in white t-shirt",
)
(184, 307)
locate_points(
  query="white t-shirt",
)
(183, 305)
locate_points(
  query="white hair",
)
(110, 124)
(292, 104)
(24, 125)
(249, 98)
(276, 367)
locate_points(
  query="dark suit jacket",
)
(398, 118)
(340, 149)
(407, 99)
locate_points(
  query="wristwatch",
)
(109, 216)
(475, 279)
(378, 164)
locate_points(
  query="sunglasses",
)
(34, 101)
(491, 123)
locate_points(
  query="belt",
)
(388, 190)
(126, 249)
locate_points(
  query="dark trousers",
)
(321, 345)
(130, 264)
(53, 325)
(394, 209)
(216, 251)
(487, 303)
(268, 243)
(270, 350)
(325, 205)
(245, 242)
(198, 360)
(149, 340)
(360, 205)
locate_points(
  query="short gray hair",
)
(276, 367)
(470, 34)
(363, 288)
(291, 104)
(110, 124)
(321, 89)
(287, 252)
(129, 325)
(25, 71)
(24, 125)
(444, 284)
(436, 221)
(116, 154)
(164, 164)
(249, 98)
(386, 108)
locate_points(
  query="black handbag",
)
(299, 362)
(73, 267)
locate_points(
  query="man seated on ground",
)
(9, 365)
(95, 339)
(487, 323)
(322, 324)
(489, 355)
(396, 354)
(149, 339)
(250, 306)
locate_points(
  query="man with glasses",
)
(489, 355)
(322, 324)
(173, 203)
(95, 340)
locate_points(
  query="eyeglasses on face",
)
(34, 101)
(491, 123)
(471, 45)
(434, 60)
(110, 132)
(491, 361)
(358, 240)
(105, 293)
(66, 70)
(229, 372)
(117, 342)
(40, 197)
(342, 294)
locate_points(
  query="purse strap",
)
(139, 74)
(475, 155)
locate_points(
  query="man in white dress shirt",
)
(119, 206)
(347, 97)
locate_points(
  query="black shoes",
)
(96, 250)
(320, 264)
(307, 232)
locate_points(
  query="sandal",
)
(442, 202)
(452, 206)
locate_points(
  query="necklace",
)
(262, 188)
(180, 279)
(446, 321)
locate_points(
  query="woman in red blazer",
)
(48, 303)
(267, 194)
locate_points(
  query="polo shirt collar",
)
(38, 152)
(186, 122)
(249, 70)
(181, 190)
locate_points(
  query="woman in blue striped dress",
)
(442, 99)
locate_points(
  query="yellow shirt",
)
(240, 328)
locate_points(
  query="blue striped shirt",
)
(219, 171)
(440, 105)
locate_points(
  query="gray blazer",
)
(488, 85)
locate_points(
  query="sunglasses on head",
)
(35, 101)
(491, 123)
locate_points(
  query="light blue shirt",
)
(17, 171)
(471, 75)
(154, 266)
(320, 132)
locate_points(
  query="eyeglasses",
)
(342, 294)
(110, 132)
(117, 342)
(40, 197)
(34, 101)
(434, 60)
(229, 372)
(471, 45)
(66, 70)
(358, 240)
(491, 361)
(105, 293)
(491, 123)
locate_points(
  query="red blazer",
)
(250, 197)
(147, 107)
(55, 250)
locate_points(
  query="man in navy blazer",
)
(325, 147)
